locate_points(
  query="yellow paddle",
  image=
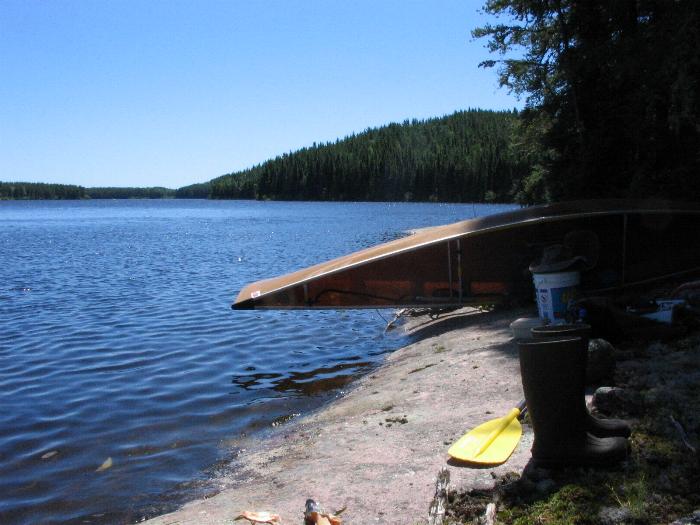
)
(490, 443)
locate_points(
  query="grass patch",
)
(633, 497)
(570, 505)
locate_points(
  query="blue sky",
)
(168, 93)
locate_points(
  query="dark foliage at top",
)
(612, 95)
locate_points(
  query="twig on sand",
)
(436, 514)
(684, 436)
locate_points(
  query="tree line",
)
(43, 191)
(466, 156)
(156, 192)
(39, 190)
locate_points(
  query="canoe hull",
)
(486, 260)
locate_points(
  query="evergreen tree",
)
(39, 190)
(612, 95)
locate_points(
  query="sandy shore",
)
(377, 450)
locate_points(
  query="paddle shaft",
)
(505, 421)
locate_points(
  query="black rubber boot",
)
(553, 375)
(596, 426)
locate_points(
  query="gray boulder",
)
(615, 516)
(609, 400)
(601, 361)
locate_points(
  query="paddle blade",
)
(468, 447)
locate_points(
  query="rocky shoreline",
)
(376, 451)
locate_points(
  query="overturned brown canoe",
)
(486, 259)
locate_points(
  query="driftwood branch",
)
(489, 517)
(438, 506)
(684, 436)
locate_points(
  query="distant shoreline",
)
(5, 199)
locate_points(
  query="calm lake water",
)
(125, 378)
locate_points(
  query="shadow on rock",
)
(429, 327)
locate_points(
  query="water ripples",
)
(117, 342)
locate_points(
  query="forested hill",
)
(467, 156)
(464, 157)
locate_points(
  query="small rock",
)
(601, 361)
(609, 399)
(693, 519)
(615, 516)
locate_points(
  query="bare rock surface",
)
(377, 449)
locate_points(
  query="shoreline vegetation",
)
(43, 191)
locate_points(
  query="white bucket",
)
(554, 292)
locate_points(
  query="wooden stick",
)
(684, 436)
(438, 506)
(490, 515)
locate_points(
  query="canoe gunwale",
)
(483, 302)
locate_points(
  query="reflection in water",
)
(313, 382)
